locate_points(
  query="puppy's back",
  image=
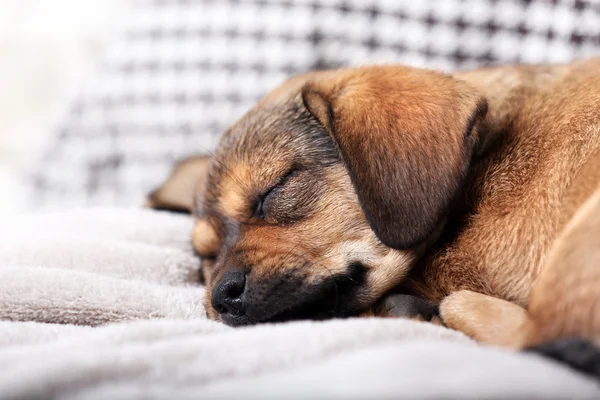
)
(544, 125)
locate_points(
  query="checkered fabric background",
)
(186, 69)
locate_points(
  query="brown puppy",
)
(321, 198)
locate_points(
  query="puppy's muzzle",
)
(227, 295)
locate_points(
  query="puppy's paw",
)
(486, 319)
(406, 306)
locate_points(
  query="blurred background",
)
(47, 48)
(99, 98)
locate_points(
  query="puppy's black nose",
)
(227, 294)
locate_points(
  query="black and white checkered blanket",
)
(186, 69)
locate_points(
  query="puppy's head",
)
(318, 200)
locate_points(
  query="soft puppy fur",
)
(320, 198)
(478, 190)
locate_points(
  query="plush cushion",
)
(106, 304)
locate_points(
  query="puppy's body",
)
(320, 199)
(520, 202)
(545, 126)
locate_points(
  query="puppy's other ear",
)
(178, 191)
(406, 137)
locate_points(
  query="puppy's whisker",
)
(310, 250)
(289, 253)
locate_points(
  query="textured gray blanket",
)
(105, 303)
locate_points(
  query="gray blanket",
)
(105, 303)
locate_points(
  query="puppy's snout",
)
(227, 294)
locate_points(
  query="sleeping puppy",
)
(478, 190)
(320, 199)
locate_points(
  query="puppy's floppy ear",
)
(406, 137)
(177, 193)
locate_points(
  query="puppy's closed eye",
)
(291, 199)
(265, 201)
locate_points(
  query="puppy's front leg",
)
(405, 306)
(487, 319)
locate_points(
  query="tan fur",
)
(526, 200)
(487, 319)
(205, 238)
(515, 263)
(565, 300)
(178, 192)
